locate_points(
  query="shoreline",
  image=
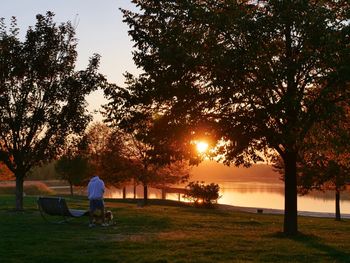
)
(57, 185)
(259, 210)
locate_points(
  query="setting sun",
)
(202, 147)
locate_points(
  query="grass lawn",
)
(163, 232)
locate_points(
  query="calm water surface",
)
(255, 194)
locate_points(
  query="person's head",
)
(93, 177)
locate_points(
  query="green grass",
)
(164, 232)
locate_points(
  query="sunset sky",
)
(99, 30)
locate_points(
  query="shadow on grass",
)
(312, 241)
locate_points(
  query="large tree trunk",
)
(290, 195)
(337, 204)
(145, 194)
(19, 191)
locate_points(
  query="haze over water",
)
(258, 186)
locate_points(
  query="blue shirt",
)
(96, 188)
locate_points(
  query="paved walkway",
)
(281, 212)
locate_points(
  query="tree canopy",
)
(42, 96)
(120, 157)
(104, 152)
(150, 170)
(324, 160)
(250, 75)
(73, 165)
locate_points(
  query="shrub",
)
(5, 173)
(202, 195)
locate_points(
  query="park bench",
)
(57, 207)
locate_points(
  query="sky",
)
(99, 29)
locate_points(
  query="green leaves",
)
(257, 71)
(253, 74)
(203, 195)
(74, 169)
(42, 96)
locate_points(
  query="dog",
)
(97, 218)
(109, 217)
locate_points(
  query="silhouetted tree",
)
(114, 165)
(96, 141)
(147, 171)
(104, 152)
(41, 95)
(73, 165)
(324, 162)
(119, 157)
(248, 74)
(73, 169)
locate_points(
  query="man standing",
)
(96, 189)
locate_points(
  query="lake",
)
(255, 194)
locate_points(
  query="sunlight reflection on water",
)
(252, 194)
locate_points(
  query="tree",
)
(115, 168)
(96, 140)
(73, 169)
(146, 166)
(147, 171)
(73, 166)
(103, 148)
(41, 95)
(249, 74)
(120, 157)
(324, 160)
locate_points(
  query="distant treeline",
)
(45, 172)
